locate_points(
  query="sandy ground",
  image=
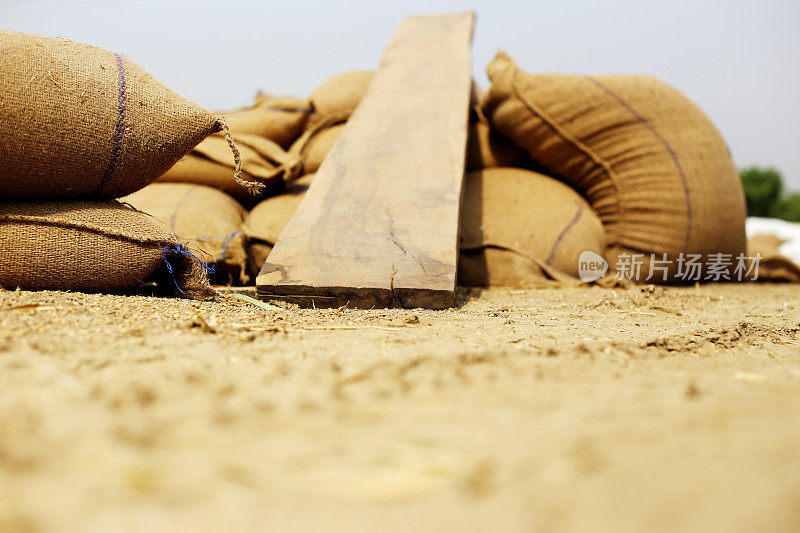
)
(568, 409)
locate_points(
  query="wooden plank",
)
(379, 225)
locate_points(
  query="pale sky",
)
(740, 61)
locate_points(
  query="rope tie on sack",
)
(182, 250)
(254, 187)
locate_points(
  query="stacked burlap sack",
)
(82, 127)
(519, 227)
(649, 162)
(279, 139)
(282, 142)
(558, 166)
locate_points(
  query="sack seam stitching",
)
(669, 148)
(27, 219)
(620, 208)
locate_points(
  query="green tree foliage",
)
(762, 190)
(788, 207)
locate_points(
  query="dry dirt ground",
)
(556, 409)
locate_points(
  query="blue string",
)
(181, 249)
(225, 244)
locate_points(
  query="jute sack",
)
(518, 228)
(486, 148)
(211, 163)
(338, 96)
(772, 266)
(206, 219)
(651, 164)
(279, 119)
(91, 246)
(314, 145)
(521, 228)
(79, 121)
(265, 222)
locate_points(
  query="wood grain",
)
(379, 225)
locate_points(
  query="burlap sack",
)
(651, 164)
(265, 222)
(279, 119)
(486, 148)
(339, 95)
(90, 246)
(79, 121)
(772, 266)
(315, 144)
(498, 267)
(333, 103)
(520, 228)
(207, 220)
(211, 163)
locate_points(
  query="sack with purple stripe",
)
(523, 229)
(79, 121)
(648, 160)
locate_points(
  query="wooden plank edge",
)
(359, 298)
